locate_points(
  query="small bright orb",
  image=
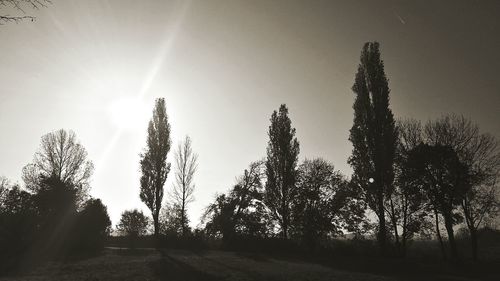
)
(371, 180)
(129, 113)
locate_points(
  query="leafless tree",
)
(405, 207)
(20, 6)
(60, 155)
(186, 165)
(480, 152)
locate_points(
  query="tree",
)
(92, 227)
(480, 153)
(444, 179)
(186, 165)
(406, 208)
(18, 226)
(154, 166)
(373, 135)
(325, 204)
(60, 156)
(4, 187)
(282, 157)
(241, 211)
(56, 204)
(20, 5)
(133, 223)
(171, 219)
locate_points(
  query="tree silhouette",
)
(282, 156)
(407, 203)
(444, 179)
(171, 220)
(186, 165)
(154, 166)
(4, 186)
(133, 223)
(92, 227)
(373, 135)
(325, 204)
(241, 211)
(21, 5)
(18, 226)
(480, 153)
(60, 156)
(56, 203)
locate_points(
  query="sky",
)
(96, 67)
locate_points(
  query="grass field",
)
(150, 264)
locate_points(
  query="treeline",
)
(410, 179)
(414, 178)
(52, 216)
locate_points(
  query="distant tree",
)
(241, 212)
(92, 227)
(480, 153)
(21, 5)
(186, 165)
(444, 179)
(171, 219)
(133, 223)
(282, 157)
(62, 157)
(4, 187)
(325, 204)
(154, 166)
(373, 135)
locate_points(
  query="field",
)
(150, 264)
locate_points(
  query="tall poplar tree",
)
(373, 135)
(154, 166)
(281, 167)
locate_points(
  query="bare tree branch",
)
(20, 6)
(186, 165)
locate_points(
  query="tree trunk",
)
(451, 236)
(438, 233)
(156, 225)
(473, 240)
(284, 225)
(183, 219)
(404, 235)
(395, 226)
(285, 228)
(382, 235)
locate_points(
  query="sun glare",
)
(128, 113)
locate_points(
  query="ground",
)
(150, 264)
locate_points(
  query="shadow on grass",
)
(171, 269)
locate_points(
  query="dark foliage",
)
(133, 224)
(92, 228)
(281, 168)
(47, 225)
(444, 179)
(373, 135)
(154, 166)
(325, 204)
(241, 212)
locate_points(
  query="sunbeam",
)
(170, 36)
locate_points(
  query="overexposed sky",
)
(95, 67)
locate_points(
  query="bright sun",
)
(129, 113)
